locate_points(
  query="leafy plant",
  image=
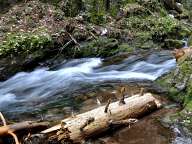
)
(18, 43)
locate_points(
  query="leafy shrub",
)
(19, 43)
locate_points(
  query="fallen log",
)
(76, 129)
(22, 126)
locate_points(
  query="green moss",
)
(134, 9)
(190, 41)
(101, 47)
(96, 11)
(153, 5)
(152, 31)
(71, 8)
(183, 97)
(172, 43)
(189, 105)
(124, 47)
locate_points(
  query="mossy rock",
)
(102, 47)
(172, 44)
(124, 47)
(179, 31)
(177, 78)
(152, 31)
(183, 97)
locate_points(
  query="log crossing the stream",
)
(96, 121)
(76, 129)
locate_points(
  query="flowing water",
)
(32, 91)
(67, 86)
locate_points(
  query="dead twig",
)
(122, 94)
(72, 38)
(107, 106)
(3, 119)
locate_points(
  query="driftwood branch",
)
(14, 137)
(73, 39)
(22, 126)
(3, 119)
(9, 132)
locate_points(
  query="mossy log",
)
(78, 128)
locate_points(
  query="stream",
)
(77, 85)
(29, 92)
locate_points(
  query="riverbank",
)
(29, 39)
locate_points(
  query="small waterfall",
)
(185, 43)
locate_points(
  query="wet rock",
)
(179, 88)
(101, 47)
(172, 44)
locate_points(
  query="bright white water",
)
(30, 91)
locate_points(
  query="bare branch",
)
(122, 94)
(15, 137)
(107, 106)
(3, 119)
